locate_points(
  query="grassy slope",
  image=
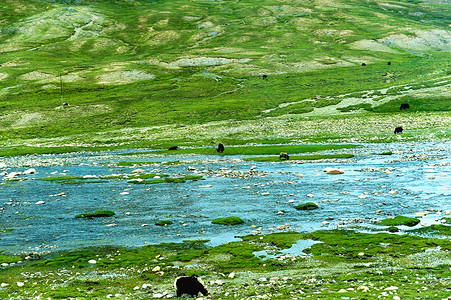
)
(120, 65)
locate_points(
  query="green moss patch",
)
(164, 223)
(301, 157)
(434, 229)
(399, 220)
(307, 206)
(233, 220)
(97, 214)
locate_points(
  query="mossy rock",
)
(393, 229)
(386, 153)
(399, 220)
(164, 223)
(307, 206)
(228, 221)
(97, 214)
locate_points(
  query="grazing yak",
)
(404, 106)
(398, 129)
(220, 148)
(284, 156)
(191, 286)
(264, 76)
(174, 148)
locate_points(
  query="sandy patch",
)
(25, 119)
(162, 37)
(124, 77)
(206, 62)
(3, 76)
(423, 40)
(372, 46)
(38, 76)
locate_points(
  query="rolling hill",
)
(159, 72)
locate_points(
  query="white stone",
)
(29, 171)
(40, 202)
(4, 285)
(232, 275)
(156, 269)
(158, 295)
(20, 284)
(92, 261)
(391, 288)
(310, 195)
(138, 171)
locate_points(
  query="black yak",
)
(284, 156)
(220, 148)
(192, 286)
(404, 106)
(398, 129)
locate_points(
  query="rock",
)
(20, 284)
(333, 171)
(40, 202)
(232, 275)
(138, 171)
(310, 195)
(156, 269)
(29, 171)
(307, 206)
(343, 291)
(232, 220)
(92, 261)
(97, 214)
(158, 295)
(363, 288)
(391, 288)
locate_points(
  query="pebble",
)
(92, 261)
(40, 202)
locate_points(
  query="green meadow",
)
(299, 76)
(169, 71)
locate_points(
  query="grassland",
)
(341, 263)
(190, 72)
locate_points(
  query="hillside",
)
(147, 70)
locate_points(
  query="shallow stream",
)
(37, 215)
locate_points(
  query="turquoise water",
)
(415, 178)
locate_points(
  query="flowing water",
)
(37, 215)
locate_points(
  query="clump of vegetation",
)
(434, 229)
(393, 229)
(164, 223)
(97, 214)
(386, 153)
(399, 220)
(233, 220)
(301, 157)
(307, 206)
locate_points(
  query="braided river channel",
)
(38, 215)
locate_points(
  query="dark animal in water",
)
(404, 106)
(220, 148)
(174, 148)
(398, 129)
(284, 156)
(192, 286)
